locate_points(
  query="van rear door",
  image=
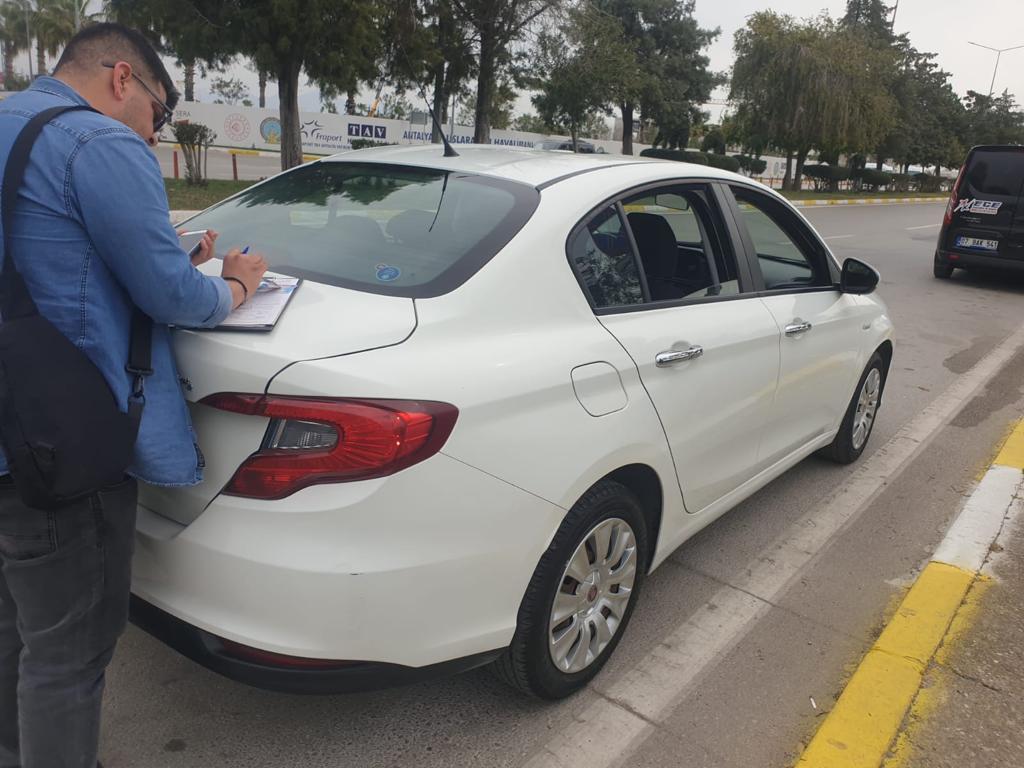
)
(988, 218)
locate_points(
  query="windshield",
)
(387, 229)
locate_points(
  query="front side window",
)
(388, 229)
(683, 252)
(785, 262)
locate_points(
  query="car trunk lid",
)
(320, 321)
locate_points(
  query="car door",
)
(660, 269)
(821, 328)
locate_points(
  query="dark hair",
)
(106, 41)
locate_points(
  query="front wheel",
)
(859, 420)
(581, 596)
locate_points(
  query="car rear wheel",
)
(581, 596)
(942, 270)
(859, 420)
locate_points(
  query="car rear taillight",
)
(332, 440)
(953, 196)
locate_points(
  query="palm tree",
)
(55, 24)
(13, 34)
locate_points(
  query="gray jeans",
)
(64, 581)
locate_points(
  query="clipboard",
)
(263, 309)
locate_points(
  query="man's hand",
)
(247, 267)
(205, 252)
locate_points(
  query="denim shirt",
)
(93, 239)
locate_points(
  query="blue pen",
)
(246, 249)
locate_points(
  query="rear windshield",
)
(995, 172)
(387, 229)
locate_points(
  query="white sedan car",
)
(510, 385)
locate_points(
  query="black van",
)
(984, 221)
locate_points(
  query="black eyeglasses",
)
(166, 113)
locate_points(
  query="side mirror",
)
(858, 277)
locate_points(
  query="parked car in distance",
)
(511, 384)
(984, 221)
(565, 145)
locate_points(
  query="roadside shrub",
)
(752, 166)
(901, 182)
(682, 156)
(926, 182)
(875, 179)
(364, 143)
(724, 162)
(195, 140)
(826, 177)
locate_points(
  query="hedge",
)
(724, 162)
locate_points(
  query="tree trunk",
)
(190, 79)
(8, 66)
(627, 128)
(350, 103)
(787, 179)
(263, 88)
(879, 162)
(485, 86)
(40, 58)
(288, 96)
(798, 176)
(573, 131)
(439, 103)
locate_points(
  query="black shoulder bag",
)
(62, 431)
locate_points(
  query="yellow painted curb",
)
(244, 152)
(867, 717)
(1012, 453)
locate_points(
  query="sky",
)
(944, 27)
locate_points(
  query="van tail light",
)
(954, 196)
(332, 440)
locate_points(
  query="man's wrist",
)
(239, 293)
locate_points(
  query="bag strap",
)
(15, 300)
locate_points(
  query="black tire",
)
(527, 664)
(941, 270)
(842, 449)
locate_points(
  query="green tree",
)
(811, 84)
(332, 41)
(228, 90)
(992, 119)
(672, 75)
(531, 123)
(54, 23)
(577, 70)
(872, 16)
(497, 25)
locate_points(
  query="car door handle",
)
(798, 327)
(671, 356)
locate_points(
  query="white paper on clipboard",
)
(264, 309)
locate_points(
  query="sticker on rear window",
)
(386, 274)
(987, 207)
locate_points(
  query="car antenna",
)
(448, 150)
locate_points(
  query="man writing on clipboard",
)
(92, 239)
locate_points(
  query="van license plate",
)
(977, 242)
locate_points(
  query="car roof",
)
(535, 167)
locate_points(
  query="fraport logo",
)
(366, 131)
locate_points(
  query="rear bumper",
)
(411, 575)
(209, 650)
(975, 260)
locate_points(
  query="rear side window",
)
(603, 260)
(994, 173)
(387, 229)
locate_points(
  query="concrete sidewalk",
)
(970, 710)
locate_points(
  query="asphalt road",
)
(765, 651)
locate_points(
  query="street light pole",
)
(999, 53)
(28, 40)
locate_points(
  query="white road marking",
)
(925, 226)
(968, 541)
(614, 725)
(838, 237)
